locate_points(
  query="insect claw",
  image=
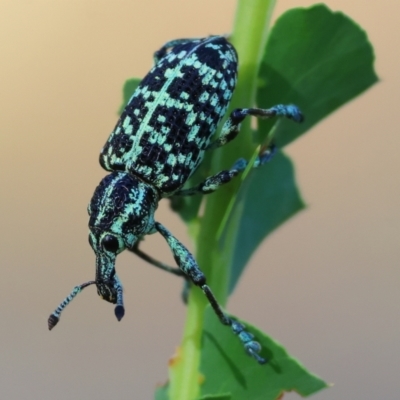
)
(257, 357)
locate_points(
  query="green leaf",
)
(162, 393)
(226, 396)
(316, 59)
(228, 368)
(267, 198)
(129, 87)
(186, 206)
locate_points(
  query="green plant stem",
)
(249, 37)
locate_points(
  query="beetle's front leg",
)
(188, 265)
(164, 267)
(176, 271)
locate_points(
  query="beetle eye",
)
(110, 243)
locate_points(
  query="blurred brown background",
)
(326, 284)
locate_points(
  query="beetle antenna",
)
(55, 317)
(119, 309)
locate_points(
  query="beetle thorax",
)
(122, 207)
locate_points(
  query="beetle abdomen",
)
(171, 117)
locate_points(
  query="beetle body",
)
(169, 121)
(157, 144)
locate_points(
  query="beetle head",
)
(121, 212)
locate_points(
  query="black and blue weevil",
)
(157, 144)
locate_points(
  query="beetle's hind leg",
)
(231, 127)
(229, 131)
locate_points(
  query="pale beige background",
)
(326, 284)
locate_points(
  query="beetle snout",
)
(107, 291)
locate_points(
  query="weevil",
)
(157, 144)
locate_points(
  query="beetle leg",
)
(212, 183)
(231, 127)
(164, 267)
(154, 262)
(188, 265)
